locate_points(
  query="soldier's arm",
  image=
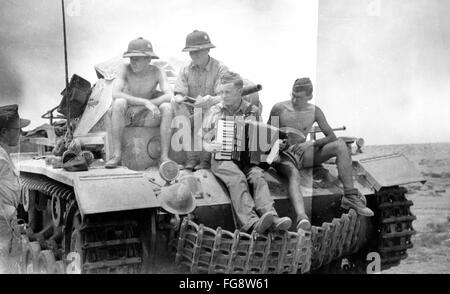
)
(326, 129)
(181, 86)
(274, 117)
(208, 132)
(119, 85)
(165, 88)
(208, 101)
(6, 210)
(217, 98)
(274, 120)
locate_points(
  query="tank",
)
(119, 221)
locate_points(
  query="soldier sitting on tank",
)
(136, 102)
(296, 117)
(255, 212)
(199, 80)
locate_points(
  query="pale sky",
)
(381, 65)
(269, 42)
(384, 68)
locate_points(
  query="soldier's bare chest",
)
(300, 120)
(141, 86)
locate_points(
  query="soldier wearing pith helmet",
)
(199, 80)
(137, 102)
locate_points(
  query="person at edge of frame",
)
(10, 129)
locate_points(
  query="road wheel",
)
(60, 267)
(75, 257)
(31, 257)
(46, 263)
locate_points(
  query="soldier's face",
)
(300, 98)
(200, 56)
(139, 63)
(230, 94)
(11, 135)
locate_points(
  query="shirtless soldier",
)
(136, 101)
(296, 117)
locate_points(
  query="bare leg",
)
(339, 150)
(118, 124)
(336, 149)
(166, 130)
(289, 171)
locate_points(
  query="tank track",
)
(111, 247)
(206, 250)
(108, 244)
(394, 225)
(393, 231)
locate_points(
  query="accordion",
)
(247, 142)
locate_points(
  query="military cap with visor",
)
(198, 40)
(140, 47)
(10, 119)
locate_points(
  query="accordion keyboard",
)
(225, 136)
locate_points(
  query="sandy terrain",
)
(431, 252)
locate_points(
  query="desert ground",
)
(431, 251)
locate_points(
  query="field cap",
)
(197, 40)
(140, 47)
(9, 117)
(303, 85)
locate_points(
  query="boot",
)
(352, 199)
(281, 224)
(190, 164)
(264, 223)
(192, 159)
(303, 223)
(205, 161)
(202, 165)
(114, 162)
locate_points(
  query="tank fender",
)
(119, 192)
(388, 170)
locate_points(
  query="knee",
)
(255, 175)
(340, 146)
(166, 108)
(337, 147)
(119, 104)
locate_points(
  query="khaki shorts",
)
(141, 116)
(297, 158)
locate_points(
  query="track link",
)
(395, 226)
(111, 243)
(112, 247)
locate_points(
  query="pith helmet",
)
(198, 40)
(177, 199)
(140, 47)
